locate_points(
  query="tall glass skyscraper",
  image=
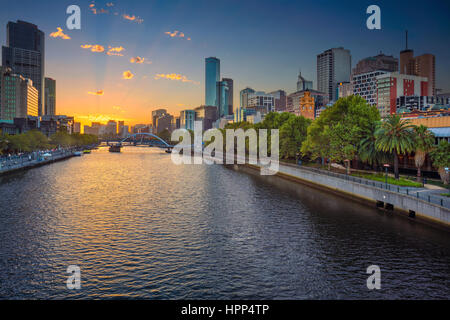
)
(222, 98)
(25, 55)
(212, 76)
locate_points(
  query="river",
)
(139, 226)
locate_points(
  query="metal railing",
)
(20, 161)
(410, 191)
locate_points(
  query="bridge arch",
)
(146, 134)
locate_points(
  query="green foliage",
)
(382, 178)
(34, 140)
(293, 132)
(63, 139)
(338, 132)
(395, 136)
(367, 150)
(441, 155)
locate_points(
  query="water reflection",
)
(141, 227)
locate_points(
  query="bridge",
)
(139, 139)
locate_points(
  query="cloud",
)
(177, 34)
(132, 18)
(95, 11)
(174, 76)
(115, 51)
(93, 47)
(137, 60)
(97, 93)
(127, 75)
(59, 34)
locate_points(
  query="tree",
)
(4, 143)
(424, 144)
(396, 137)
(441, 159)
(367, 150)
(338, 131)
(292, 134)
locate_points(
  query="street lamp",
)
(447, 171)
(386, 166)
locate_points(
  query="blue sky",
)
(261, 44)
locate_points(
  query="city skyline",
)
(94, 86)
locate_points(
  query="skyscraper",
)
(222, 96)
(24, 53)
(244, 95)
(422, 66)
(18, 96)
(333, 67)
(229, 83)
(155, 115)
(302, 83)
(50, 96)
(212, 76)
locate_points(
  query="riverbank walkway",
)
(15, 163)
(429, 193)
(421, 202)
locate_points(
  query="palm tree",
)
(424, 144)
(441, 160)
(367, 150)
(395, 136)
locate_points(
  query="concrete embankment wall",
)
(420, 209)
(32, 164)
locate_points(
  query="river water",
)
(139, 226)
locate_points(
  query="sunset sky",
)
(261, 44)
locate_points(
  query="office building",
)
(345, 89)
(164, 122)
(206, 114)
(243, 97)
(280, 100)
(111, 128)
(24, 53)
(392, 85)
(333, 67)
(50, 96)
(230, 97)
(156, 114)
(422, 66)
(365, 85)
(18, 96)
(420, 103)
(212, 76)
(187, 119)
(378, 62)
(302, 83)
(261, 101)
(241, 114)
(76, 127)
(222, 97)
